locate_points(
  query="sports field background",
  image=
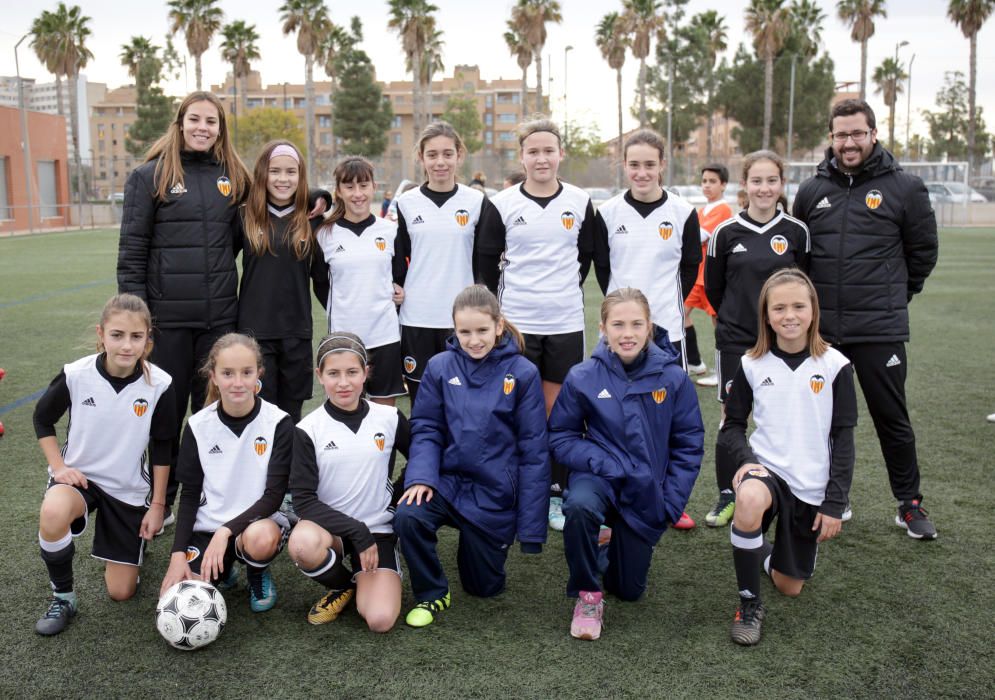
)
(885, 616)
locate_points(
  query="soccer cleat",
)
(748, 621)
(684, 523)
(330, 606)
(229, 578)
(589, 613)
(914, 518)
(699, 368)
(721, 512)
(423, 614)
(710, 380)
(847, 513)
(991, 418)
(60, 612)
(556, 518)
(166, 522)
(262, 591)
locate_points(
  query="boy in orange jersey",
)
(714, 178)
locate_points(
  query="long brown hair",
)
(169, 168)
(259, 225)
(352, 169)
(480, 298)
(226, 341)
(129, 303)
(439, 128)
(766, 338)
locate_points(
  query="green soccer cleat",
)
(721, 514)
(423, 614)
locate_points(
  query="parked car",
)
(985, 186)
(692, 193)
(952, 192)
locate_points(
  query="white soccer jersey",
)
(441, 263)
(108, 431)
(540, 276)
(646, 254)
(354, 468)
(361, 282)
(798, 404)
(235, 466)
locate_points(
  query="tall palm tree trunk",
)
(309, 109)
(197, 71)
(709, 125)
(768, 98)
(863, 69)
(642, 92)
(891, 117)
(331, 122)
(74, 115)
(523, 105)
(971, 102)
(618, 142)
(59, 106)
(537, 57)
(245, 95)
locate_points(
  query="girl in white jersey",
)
(798, 463)
(344, 454)
(363, 273)
(234, 464)
(534, 252)
(119, 404)
(437, 227)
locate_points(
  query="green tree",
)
(613, 42)
(199, 20)
(969, 16)
(414, 23)
(687, 50)
(859, 16)
(530, 18)
(642, 20)
(44, 40)
(154, 109)
(239, 48)
(586, 145)
(709, 32)
(261, 125)
(949, 123)
(431, 63)
(769, 23)
(362, 113)
(328, 52)
(888, 78)
(522, 52)
(463, 114)
(309, 19)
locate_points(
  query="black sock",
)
(334, 573)
(691, 351)
(412, 391)
(60, 567)
(747, 557)
(725, 467)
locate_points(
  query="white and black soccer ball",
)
(191, 615)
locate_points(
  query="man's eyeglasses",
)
(857, 136)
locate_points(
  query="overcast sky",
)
(473, 35)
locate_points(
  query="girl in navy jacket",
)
(479, 459)
(627, 426)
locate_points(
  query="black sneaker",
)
(914, 518)
(746, 625)
(60, 612)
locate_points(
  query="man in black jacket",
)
(873, 246)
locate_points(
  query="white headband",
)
(361, 353)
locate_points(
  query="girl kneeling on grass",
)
(234, 463)
(344, 455)
(479, 459)
(798, 463)
(119, 404)
(627, 426)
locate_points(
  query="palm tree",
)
(137, 52)
(330, 48)
(613, 41)
(239, 48)
(642, 19)
(768, 21)
(859, 16)
(888, 77)
(199, 20)
(530, 18)
(64, 39)
(309, 18)
(970, 15)
(712, 30)
(414, 24)
(431, 63)
(522, 52)
(41, 30)
(806, 27)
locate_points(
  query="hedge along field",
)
(884, 616)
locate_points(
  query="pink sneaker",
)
(685, 523)
(588, 613)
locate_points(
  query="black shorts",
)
(388, 555)
(199, 542)
(385, 372)
(116, 537)
(795, 543)
(419, 345)
(727, 364)
(555, 354)
(289, 366)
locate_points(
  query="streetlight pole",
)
(566, 121)
(894, 96)
(908, 109)
(25, 138)
(549, 86)
(791, 110)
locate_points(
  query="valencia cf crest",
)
(224, 185)
(192, 553)
(380, 243)
(666, 230)
(462, 217)
(380, 441)
(873, 199)
(660, 395)
(779, 244)
(140, 407)
(509, 383)
(569, 219)
(260, 445)
(409, 364)
(817, 382)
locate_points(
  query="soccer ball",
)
(191, 615)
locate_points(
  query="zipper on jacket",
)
(839, 268)
(207, 250)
